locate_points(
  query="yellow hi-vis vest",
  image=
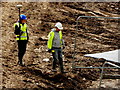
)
(50, 39)
(24, 34)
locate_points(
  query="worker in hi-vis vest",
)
(55, 45)
(21, 37)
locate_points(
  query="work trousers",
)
(57, 56)
(22, 44)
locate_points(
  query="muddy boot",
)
(54, 70)
(61, 69)
(20, 56)
(20, 63)
(61, 66)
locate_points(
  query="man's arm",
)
(50, 39)
(63, 44)
(17, 30)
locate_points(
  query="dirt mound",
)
(94, 35)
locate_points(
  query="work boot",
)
(20, 63)
(54, 70)
(63, 72)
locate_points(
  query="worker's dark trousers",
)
(21, 49)
(57, 56)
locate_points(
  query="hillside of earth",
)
(94, 35)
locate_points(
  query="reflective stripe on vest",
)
(24, 34)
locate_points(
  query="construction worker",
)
(21, 37)
(55, 45)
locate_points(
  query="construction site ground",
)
(41, 18)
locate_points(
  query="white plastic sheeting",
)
(109, 56)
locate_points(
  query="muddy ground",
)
(93, 36)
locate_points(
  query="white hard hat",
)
(58, 25)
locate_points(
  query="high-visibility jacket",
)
(51, 37)
(23, 28)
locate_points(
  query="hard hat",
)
(23, 17)
(58, 25)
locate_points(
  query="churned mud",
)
(93, 36)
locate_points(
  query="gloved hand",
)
(18, 31)
(49, 50)
(63, 47)
(21, 32)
